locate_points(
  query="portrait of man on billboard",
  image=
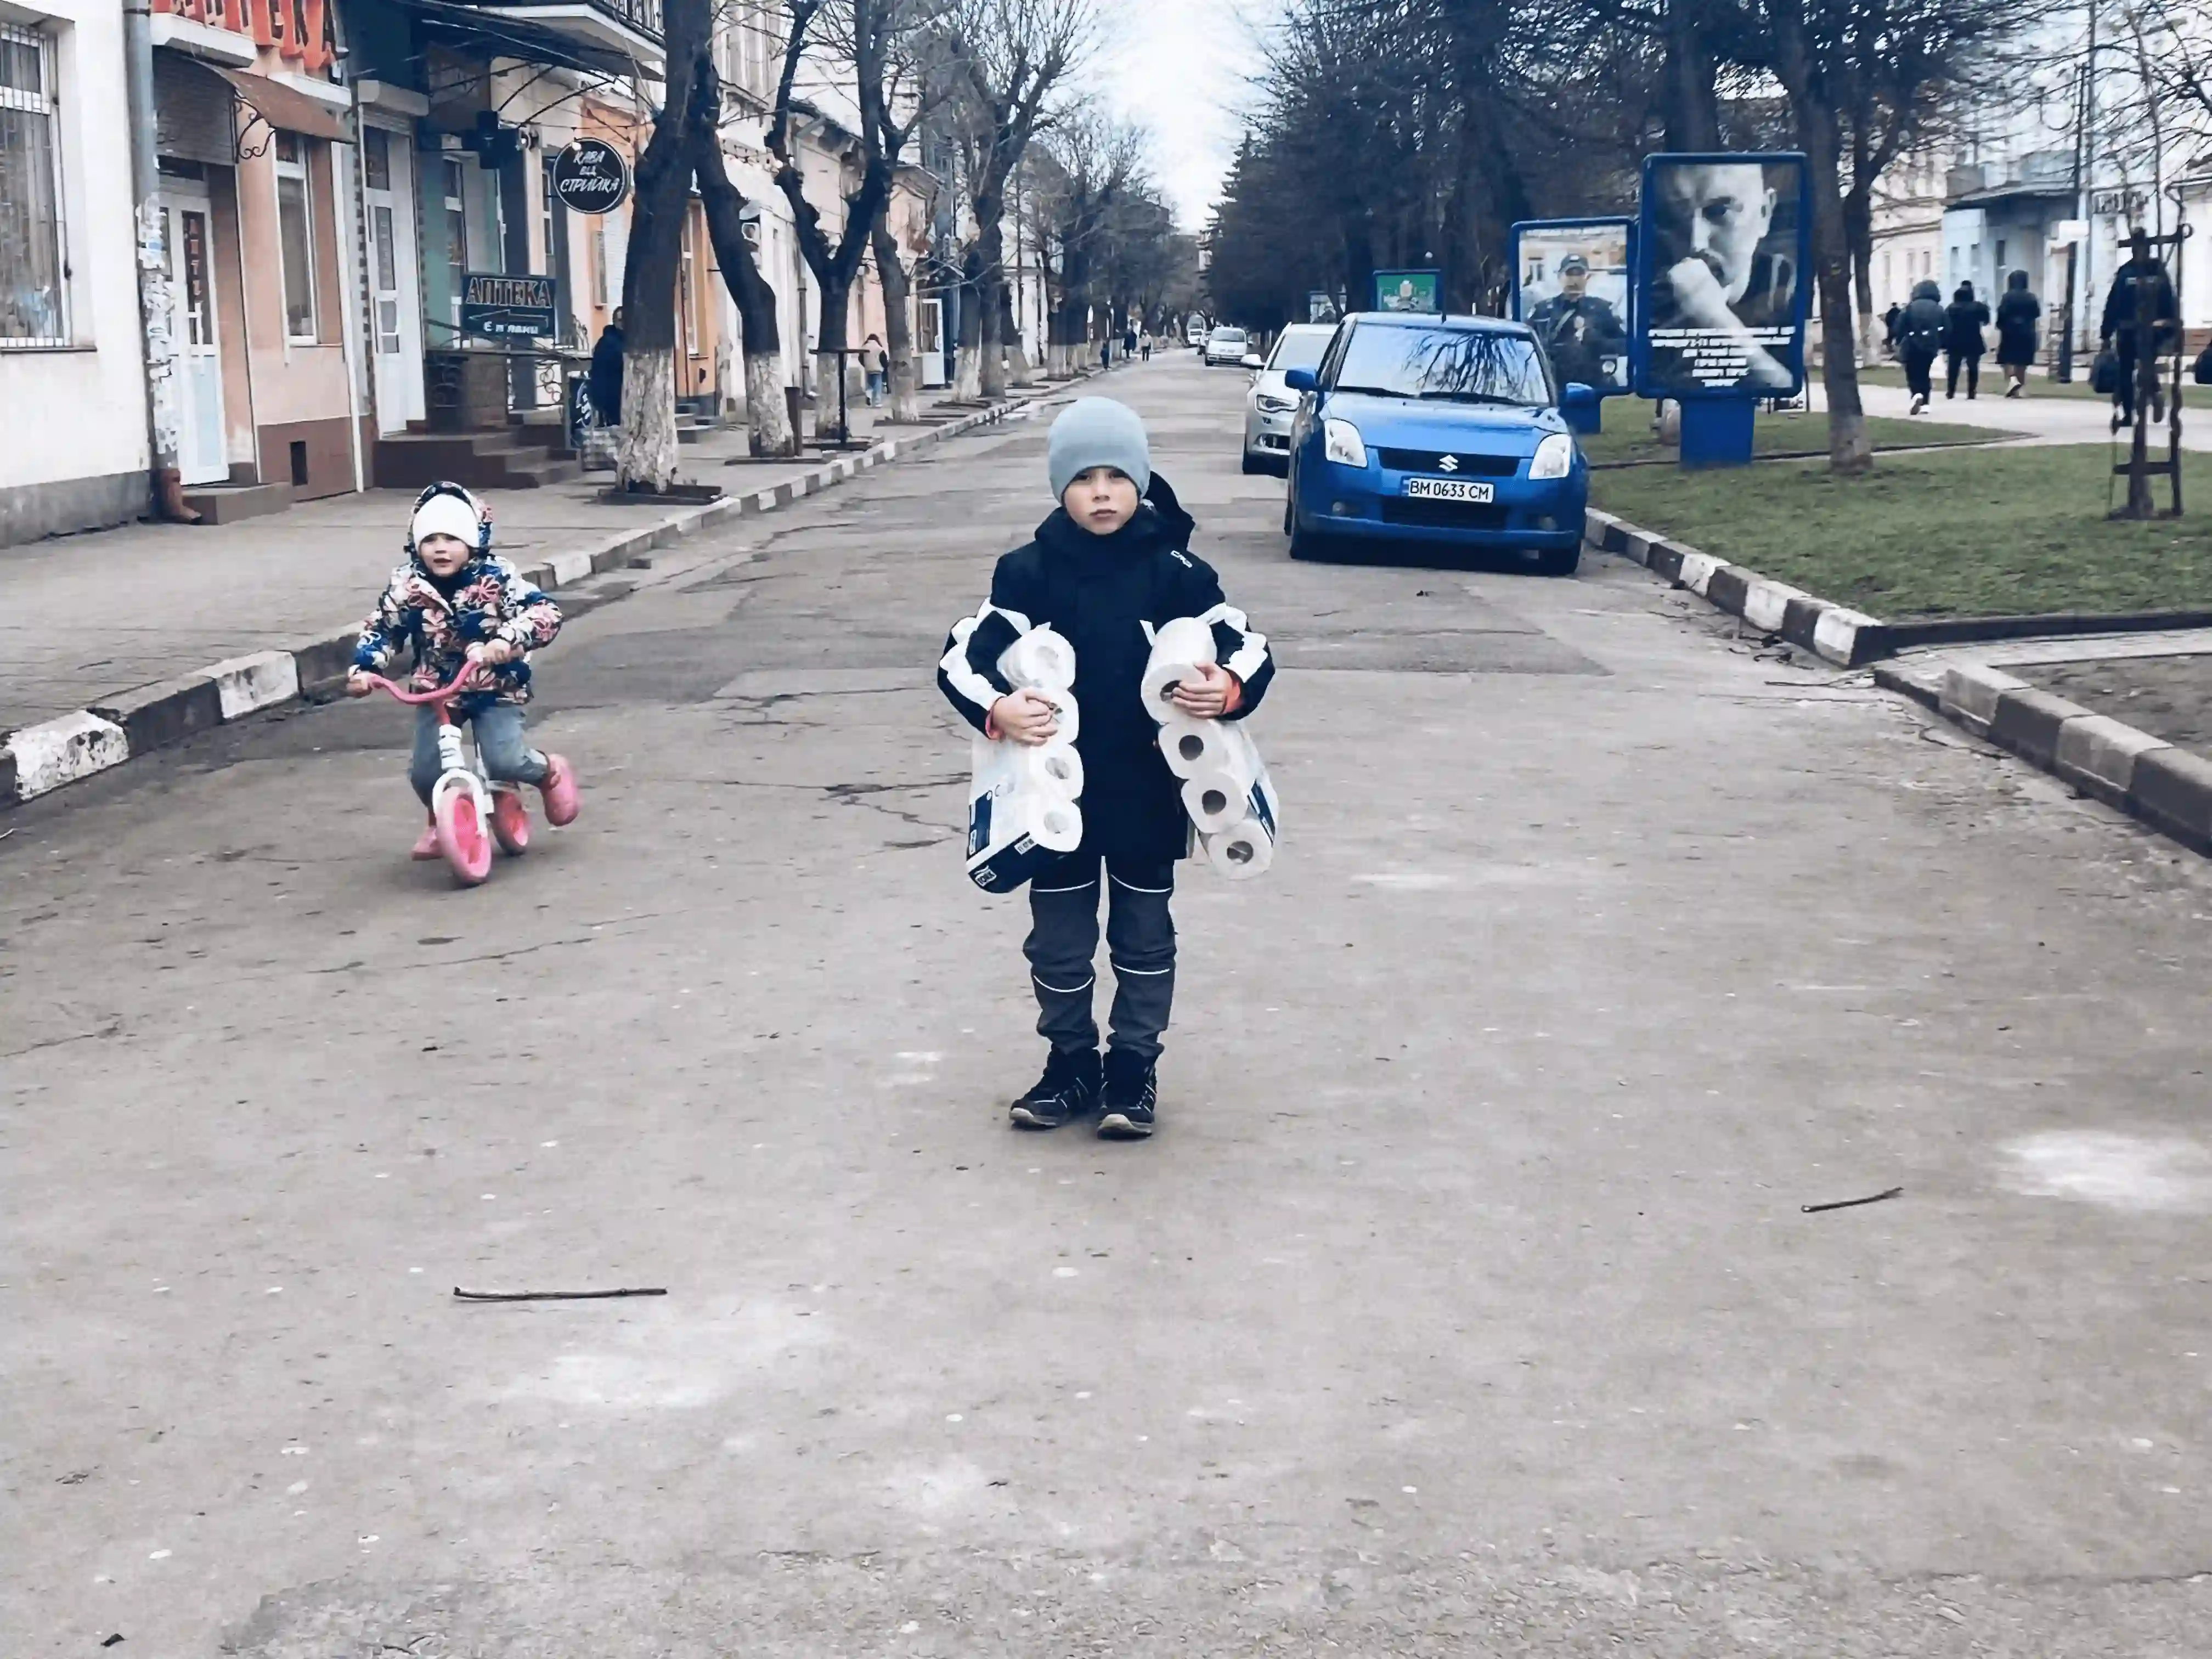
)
(1573, 292)
(1724, 263)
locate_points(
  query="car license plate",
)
(1450, 490)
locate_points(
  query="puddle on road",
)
(2166, 1174)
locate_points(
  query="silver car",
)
(1269, 405)
(1225, 346)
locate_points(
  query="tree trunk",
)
(991, 317)
(968, 364)
(898, 335)
(1859, 225)
(832, 400)
(767, 421)
(646, 459)
(1849, 451)
(1691, 102)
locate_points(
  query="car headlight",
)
(1340, 443)
(1272, 405)
(1555, 456)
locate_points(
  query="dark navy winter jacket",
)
(1101, 592)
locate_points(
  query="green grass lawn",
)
(2039, 385)
(1628, 435)
(1980, 533)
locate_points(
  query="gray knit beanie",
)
(1097, 431)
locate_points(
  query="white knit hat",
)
(446, 516)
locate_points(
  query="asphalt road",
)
(1464, 1302)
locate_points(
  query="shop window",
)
(295, 238)
(457, 234)
(33, 282)
(376, 157)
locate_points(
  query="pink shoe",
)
(560, 791)
(426, 847)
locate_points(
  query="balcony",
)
(627, 29)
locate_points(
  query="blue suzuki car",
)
(1442, 431)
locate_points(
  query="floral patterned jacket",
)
(490, 601)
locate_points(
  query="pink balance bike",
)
(465, 801)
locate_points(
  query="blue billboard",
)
(1724, 277)
(1574, 285)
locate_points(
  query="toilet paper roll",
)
(1067, 717)
(1241, 851)
(1193, 746)
(1219, 800)
(1055, 825)
(1040, 660)
(1053, 769)
(1178, 648)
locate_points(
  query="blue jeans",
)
(875, 387)
(499, 739)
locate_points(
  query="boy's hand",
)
(357, 684)
(490, 653)
(1205, 694)
(1025, 717)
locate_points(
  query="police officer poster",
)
(1724, 277)
(1572, 285)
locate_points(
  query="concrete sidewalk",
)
(82, 618)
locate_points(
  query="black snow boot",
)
(1131, 1092)
(1069, 1090)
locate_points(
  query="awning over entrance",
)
(284, 108)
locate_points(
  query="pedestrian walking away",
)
(873, 365)
(1144, 345)
(456, 604)
(1919, 338)
(605, 376)
(1964, 319)
(1893, 321)
(1106, 569)
(2119, 330)
(2017, 314)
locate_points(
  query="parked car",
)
(1445, 431)
(1269, 405)
(1225, 346)
(1194, 334)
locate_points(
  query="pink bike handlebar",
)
(443, 693)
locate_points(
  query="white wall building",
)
(72, 375)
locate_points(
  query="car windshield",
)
(1228, 336)
(1300, 349)
(1449, 365)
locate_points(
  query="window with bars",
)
(295, 238)
(33, 278)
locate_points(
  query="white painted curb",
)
(64, 750)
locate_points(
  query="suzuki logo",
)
(1449, 464)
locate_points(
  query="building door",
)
(388, 185)
(929, 341)
(202, 455)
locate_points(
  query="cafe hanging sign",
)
(590, 176)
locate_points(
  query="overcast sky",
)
(1180, 68)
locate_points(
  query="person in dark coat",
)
(2016, 318)
(606, 373)
(1891, 321)
(1919, 338)
(2118, 331)
(1964, 318)
(1108, 567)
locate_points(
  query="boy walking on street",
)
(1108, 567)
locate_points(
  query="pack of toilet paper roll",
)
(1226, 790)
(1022, 799)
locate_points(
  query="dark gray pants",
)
(1063, 944)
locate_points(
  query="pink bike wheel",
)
(462, 839)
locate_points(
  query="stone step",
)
(229, 503)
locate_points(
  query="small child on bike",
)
(458, 604)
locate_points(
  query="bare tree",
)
(1079, 173)
(1008, 56)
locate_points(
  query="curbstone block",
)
(1667, 557)
(322, 659)
(2028, 723)
(1636, 546)
(1696, 571)
(2171, 790)
(167, 711)
(8, 795)
(569, 567)
(1836, 633)
(1726, 588)
(1598, 529)
(1971, 694)
(539, 575)
(61, 750)
(254, 681)
(2098, 754)
(1767, 604)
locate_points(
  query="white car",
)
(1195, 335)
(1269, 405)
(1225, 346)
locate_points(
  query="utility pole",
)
(2088, 150)
(164, 493)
